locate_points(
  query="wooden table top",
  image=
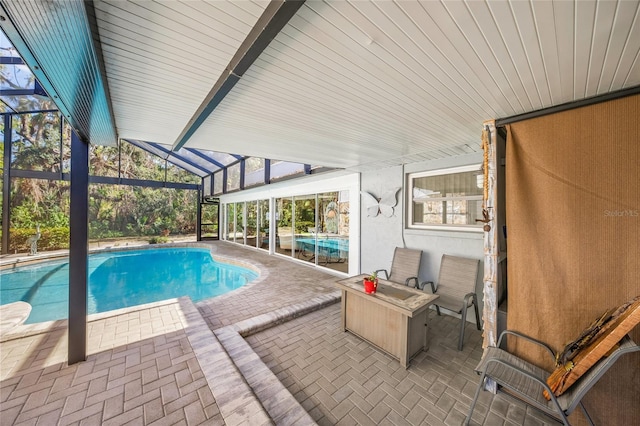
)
(407, 300)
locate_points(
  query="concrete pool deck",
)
(268, 353)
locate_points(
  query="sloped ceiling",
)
(357, 84)
(350, 84)
(161, 58)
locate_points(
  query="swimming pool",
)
(122, 279)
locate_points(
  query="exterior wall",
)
(373, 239)
(380, 235)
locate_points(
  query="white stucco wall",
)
(380, 235)
(373, 239)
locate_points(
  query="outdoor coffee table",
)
(393, 319)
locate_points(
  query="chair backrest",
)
(406, 264)
(457, 276)
(571, 398)
(285, 238)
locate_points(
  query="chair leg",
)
(438, 309)
(464, 321)
(475, 306)
(475, 399)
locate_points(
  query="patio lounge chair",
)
(457, 288)
(528, 381)
(404, 267)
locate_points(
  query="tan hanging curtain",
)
(573, 219)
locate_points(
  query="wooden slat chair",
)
(404, 267)
(528, 381)
(457, 288)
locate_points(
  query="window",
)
(253, 171)
(206, 186)
(281, 169)
(218, 181)
(233, 177)
(450, 198)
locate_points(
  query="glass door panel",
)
(333, 227)
(305, 227)
(209, 221)
(240, 234)
(252, 222)
(284, 229)
(230, 231)
(263, 224)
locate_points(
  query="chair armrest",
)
(423, 284)
(386, 274)
(467, 297)
(415, 279)
(525, 337)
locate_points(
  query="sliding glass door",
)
(313, 228)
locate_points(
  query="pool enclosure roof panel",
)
(371, 83)
(19, 89)
(161, 58)
(55, 40)
(199, 162)
(21, 92)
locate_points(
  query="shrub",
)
(50, 239)
(158, 240)
(303, 225)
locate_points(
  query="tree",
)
(114, 210)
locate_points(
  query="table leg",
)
(343, 317)
(426, 331)
(404, 342)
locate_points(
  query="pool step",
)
(235, 399)
(245, 389)
(12, 315)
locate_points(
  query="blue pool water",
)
(122, 279)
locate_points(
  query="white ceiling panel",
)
(353, 84)
(337, 90)
(162, 57)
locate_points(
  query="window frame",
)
(411, 177)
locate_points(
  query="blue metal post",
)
(6, 183)
(267, 171)
(78, 249)
(224, 180)
(199, 216)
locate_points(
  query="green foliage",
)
(303, 226)
(304, 215)
(158, 240)
(22, 217)
(114, 210)
(284, 217)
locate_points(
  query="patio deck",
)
(269, 353)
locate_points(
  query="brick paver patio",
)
(271, 352)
